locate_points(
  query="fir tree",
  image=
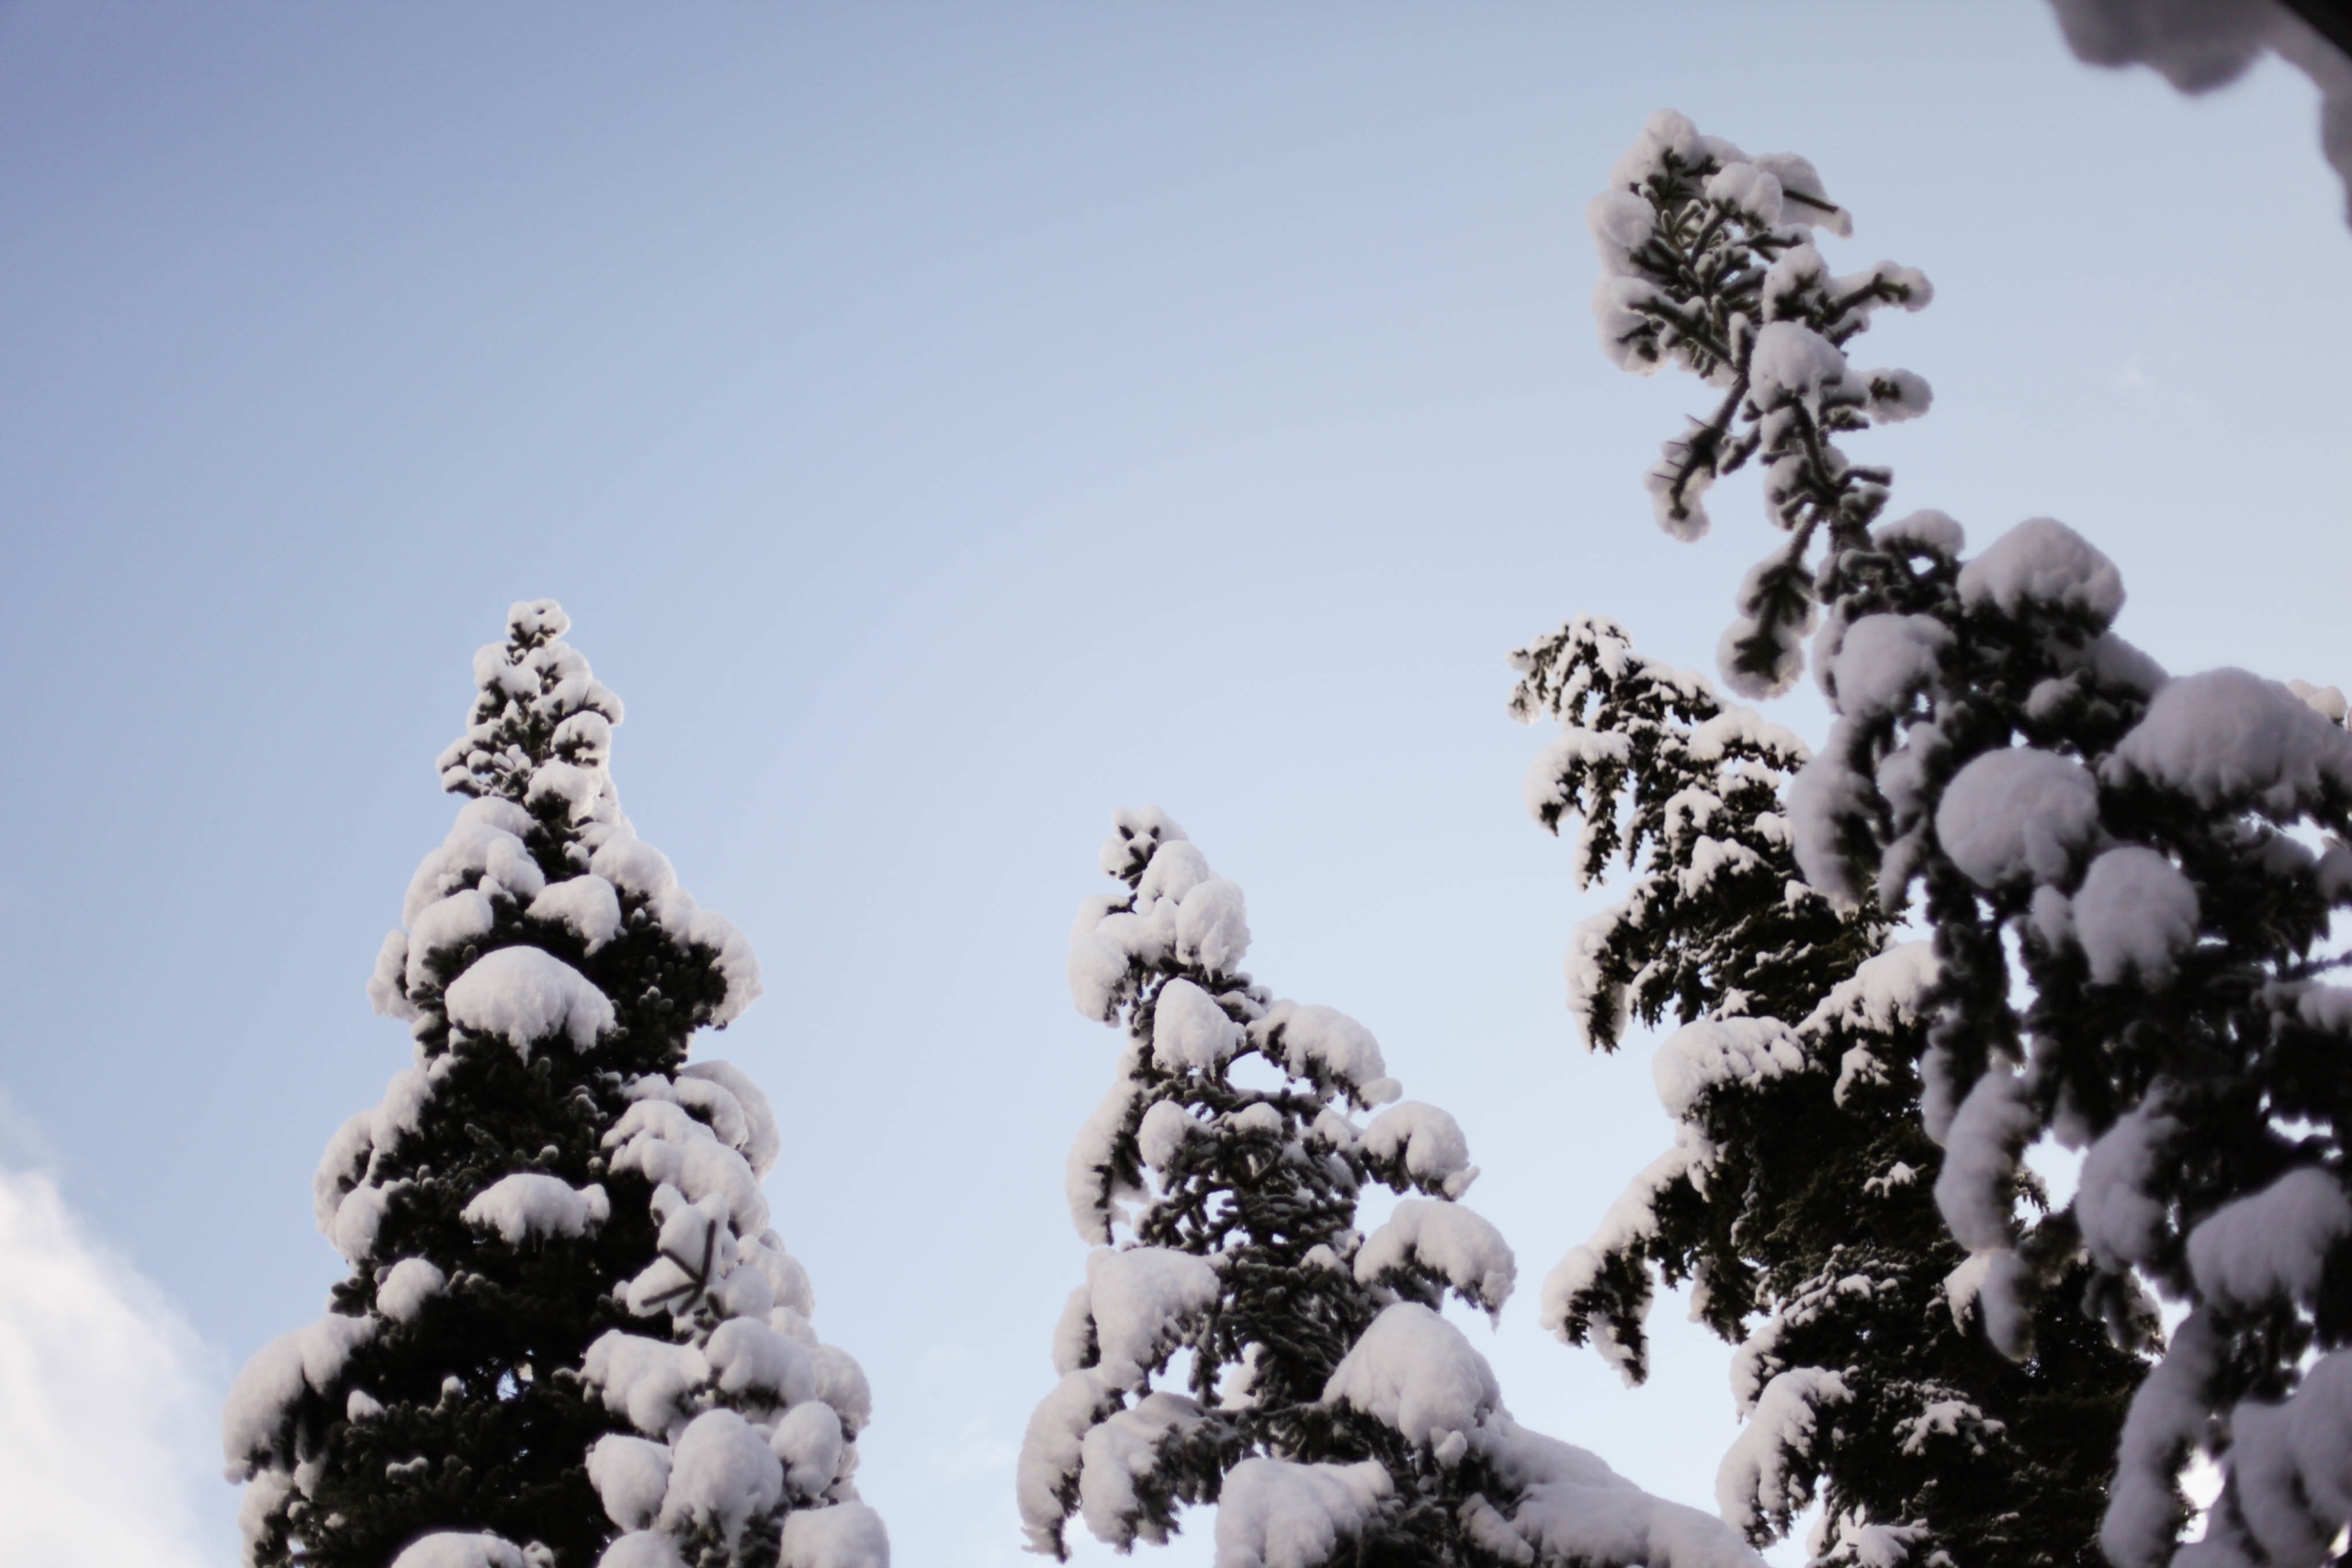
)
(1799, 1189)
(1324, 1404)
(2130, 880)
(547, 1174)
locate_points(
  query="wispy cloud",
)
(105, 1429)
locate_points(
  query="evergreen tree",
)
(2130, 880)
(1799, 1189)
(1324, 1404)
(546, 1173)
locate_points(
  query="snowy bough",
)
(2130, 881)
(1237, 1340)
(569, 1336)
(1798, 1195)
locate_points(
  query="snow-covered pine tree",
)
(1798, 1196)
(2130, 880)
(1236, 1339)
(547, 1174)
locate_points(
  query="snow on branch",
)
(2130, 879)
(1238, 1339)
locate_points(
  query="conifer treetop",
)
(1708, 264)
(2130, 881)
(1326, 1405)
(545, 1176)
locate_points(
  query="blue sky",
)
(946, 424)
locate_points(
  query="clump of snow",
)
(749, 1358)
(1050, 1449)
(1993, 1281)
(1886, 661)
(2134, 915)
(444, 927)
(631, 1475)
(840, 1382)
(1140, 1297)
(738, 965)
(1321, 1040)
(589, 906)
(1190, 1030)
(406, 1286)
(1276, 1513)
(641, 1549)
(648, 1381)
(1120, 1451)
(722, 1474)
(2042, 561)
(1098, 960)
(1460, 1246)
(1702, 1056)
(1973, 1191)
(528, 1206)
(2122, 1224)
(360, 1217)
(1824, 796)
(665, 1144)
(808, 1440)
(397, 1113)
(1178, 908)
(2290, 1464)
(2018, 812)
(1981, 1150)
(1753, 1484)
(1851, 1538)
(846, 1535)
(633, 866)
(386, 986)
(267, 1388)
(1073, 1344)
(698, 1248)
(1749, 621)
(1413, 1371)
(1213, 927)
(760, 1142)
(1166, 1128)
(525, 995)
(2226, 737)
(1572, 1507)
(1089, 1182)
(2273, 1245)
(1666, 136)
(1137, 834)
(1629, 1221)
(1792, 360)
(1927, 531)
(2166, 1417)
(459, 1548)
(485, 846)
(1426, 1141)
(1884, 992)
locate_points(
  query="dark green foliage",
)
(2129, 881)
(1262, 1183)
(464, 1410)
(1802, 1200)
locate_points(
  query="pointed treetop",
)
(534, 699)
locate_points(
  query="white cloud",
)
(104, 1419)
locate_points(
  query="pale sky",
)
(946, 424)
